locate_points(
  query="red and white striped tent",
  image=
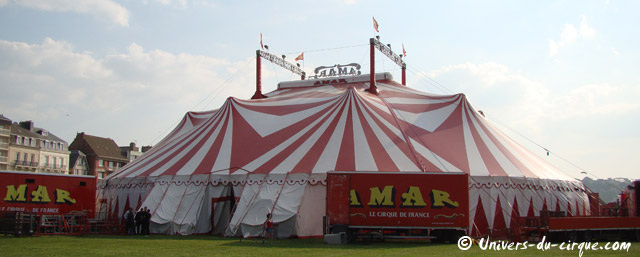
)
(221, 171)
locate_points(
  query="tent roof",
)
(316, 126)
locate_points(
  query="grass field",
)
(216, 246)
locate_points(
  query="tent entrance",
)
(224, 205)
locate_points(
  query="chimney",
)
(132, 146)
(28, 125)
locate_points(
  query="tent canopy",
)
(307, 128)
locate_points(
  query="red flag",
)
(375, 24)
(261, 45)
(300, 57)
(403, 51)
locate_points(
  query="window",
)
(18, 156)
(33, 157)
(100, 163)
(110, 165)
(25, 156)
(46, 160)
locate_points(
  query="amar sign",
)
(46, 194)
(406, 200)
(39, 195)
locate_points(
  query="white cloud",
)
(182, 3)
(592, 99)
(553, 47)
(615, 51)
(145, 89)
(592, 125)
(570, 35)
(586, 31)
(528, 104)
(103, 9)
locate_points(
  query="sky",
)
(557, 76)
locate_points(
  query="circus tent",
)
(222, 171)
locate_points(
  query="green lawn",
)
(99, 245)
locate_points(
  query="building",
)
(36, 150)
(102, 154)
(78, 164)
(5, 132)
(131, 152)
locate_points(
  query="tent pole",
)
(258, 93)
(372, 69)
(404, 74)
(281, 188)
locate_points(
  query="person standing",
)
(138, 220)
(130, 224)
(146, 221)
(268, 228)
(126, 222)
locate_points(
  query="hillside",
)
(608, 188)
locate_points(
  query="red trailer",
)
(45, 203)
(397, 205)
(619, 220)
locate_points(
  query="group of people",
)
(137, 223)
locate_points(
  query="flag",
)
(300, 57)
(403, 51)
(261, 45)
(375, 24)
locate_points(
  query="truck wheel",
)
(439, 236)
(587, 236)
(341, 228)
(572, 236)
(637, 237)
(454, 235)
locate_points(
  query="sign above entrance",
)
(338, 70)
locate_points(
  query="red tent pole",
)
(258, 94)
(404, 74)
(372, 69)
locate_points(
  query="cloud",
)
(102, 9)
(143, 90)
(528, 104)
(615, 51)
(182, 3)
(593, 99)
(570, 34)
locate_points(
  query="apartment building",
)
(5, 134)
(102, 154)
(36, 150)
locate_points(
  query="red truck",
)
(43, 193)
(619, 220)
(45, 203)
(372, 205)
